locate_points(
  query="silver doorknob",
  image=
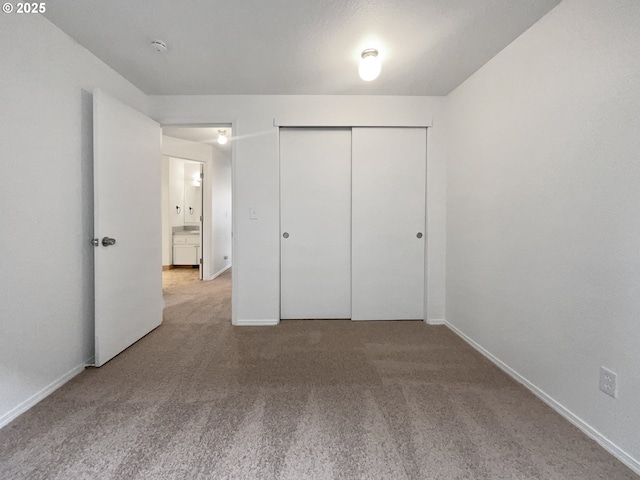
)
(106, 241)
(285, 235)
(419, 235)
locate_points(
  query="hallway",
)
(187, 300)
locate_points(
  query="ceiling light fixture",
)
(222, 137)
(369, 65)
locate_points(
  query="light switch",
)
(253, 213)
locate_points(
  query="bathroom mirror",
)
(192, 204)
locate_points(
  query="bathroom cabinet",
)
(186, 249)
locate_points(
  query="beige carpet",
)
(198, 398)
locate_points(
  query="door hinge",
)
(201, 218)
(200, 261)
(201, 175)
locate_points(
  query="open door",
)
(127, 226)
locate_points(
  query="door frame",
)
(211, 122)
(203, 179)
(302, 121)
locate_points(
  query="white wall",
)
(46, 286)
(176, 193)
(221, 179)
(191, 174)
(543, 211)
(179, 148)
(256, 178)
(165, 202)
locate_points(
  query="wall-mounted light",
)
(222, 137)
(369, 65)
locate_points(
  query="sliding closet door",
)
(315, 220)
(389, 176)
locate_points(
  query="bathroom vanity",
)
(186, 247)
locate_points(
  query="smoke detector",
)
(159, 46)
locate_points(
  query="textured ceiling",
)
(427, 47)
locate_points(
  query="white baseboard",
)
(37, 397)
(587, 429)
(266, 322)
(435, 321)
(216, 275)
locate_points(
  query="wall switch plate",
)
(608, 382)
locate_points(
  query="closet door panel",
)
(388, 223)
(315, 216)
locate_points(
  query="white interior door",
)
(128, 274)
(315, 202)
(389, 178)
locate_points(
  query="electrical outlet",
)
(608, 382)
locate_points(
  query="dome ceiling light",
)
(369, 65)
(222, 136)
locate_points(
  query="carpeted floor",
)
(198, 398)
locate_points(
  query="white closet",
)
(315, 220)
(388, 223)
(352, 223)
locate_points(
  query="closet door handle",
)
(419, 235)
(285, 234)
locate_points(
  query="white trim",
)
(300, 121)
(436, 321)
(266, 322)
(587, 429)
(235, 256)
(41, 395)
(279, 224)
(216, 275)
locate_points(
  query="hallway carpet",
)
(198, 398)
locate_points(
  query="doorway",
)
(186, 221)
(196, 200)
